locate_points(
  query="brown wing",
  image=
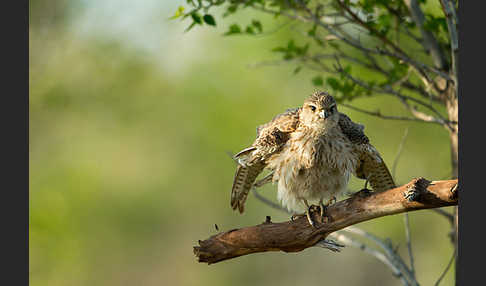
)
(371, 166)
(252, 160)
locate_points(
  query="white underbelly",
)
(312, 185)
(312, 173)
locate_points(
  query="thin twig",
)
(445, 214)
(446, 269)
(268, 202)
(409, 243)
(371, 251)
(403, 98)
(389, 251)
(429, 40)
(379, 115)
(399, 152)
(451, 17)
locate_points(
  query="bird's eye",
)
(312, 107)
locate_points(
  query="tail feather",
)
(373, 168)
(244, 178)
(381, 179)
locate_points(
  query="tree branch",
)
(451, 19)
(371, 251)
(429, 40)
(297, 235)
(378, 114)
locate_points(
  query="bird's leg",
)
(307, 213)
(365, 191)
(323, 206)
(366, 183)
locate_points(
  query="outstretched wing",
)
(371, 165)
(252, 160)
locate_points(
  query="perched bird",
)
(311, 152)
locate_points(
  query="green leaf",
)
(333, 83)
(257, 25)
(249, 30)
(279, 50)
(196, 18)
(288, 56)
(291, 46)
(208, 19)
(302, 50)
(312, 32)
(178, 13)
(318, 81)
(230, 10)
(233, 29)
(348, 88)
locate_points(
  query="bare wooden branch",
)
(297, 235)
(378, 114)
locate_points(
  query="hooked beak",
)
(324, 114)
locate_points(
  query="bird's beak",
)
(324, 114)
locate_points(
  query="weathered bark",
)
(450, 97)
(452, 110)
(297, 235)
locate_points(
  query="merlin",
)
(311, 151)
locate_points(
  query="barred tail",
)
(244, 178)
(381, 179)
(373, 168)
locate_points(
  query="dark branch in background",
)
(391, 117)
(403, 98)
(447, 268)
(371, 251)
(399, 153)
(405, 215)
(445, 214)
(409, 243)
(451, 19)
(429, 40)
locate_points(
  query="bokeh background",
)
(131, 122)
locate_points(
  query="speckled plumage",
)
(312, 151)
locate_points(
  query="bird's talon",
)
(323, 208)
(363, 193)
(309, 218)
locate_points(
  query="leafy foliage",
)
(379, 30)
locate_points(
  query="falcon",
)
(311, 151)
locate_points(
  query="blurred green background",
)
(131, 122)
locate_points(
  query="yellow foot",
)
(307, 214)
(323, 207)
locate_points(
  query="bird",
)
(311, 151)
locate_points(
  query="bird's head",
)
(320, 110)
